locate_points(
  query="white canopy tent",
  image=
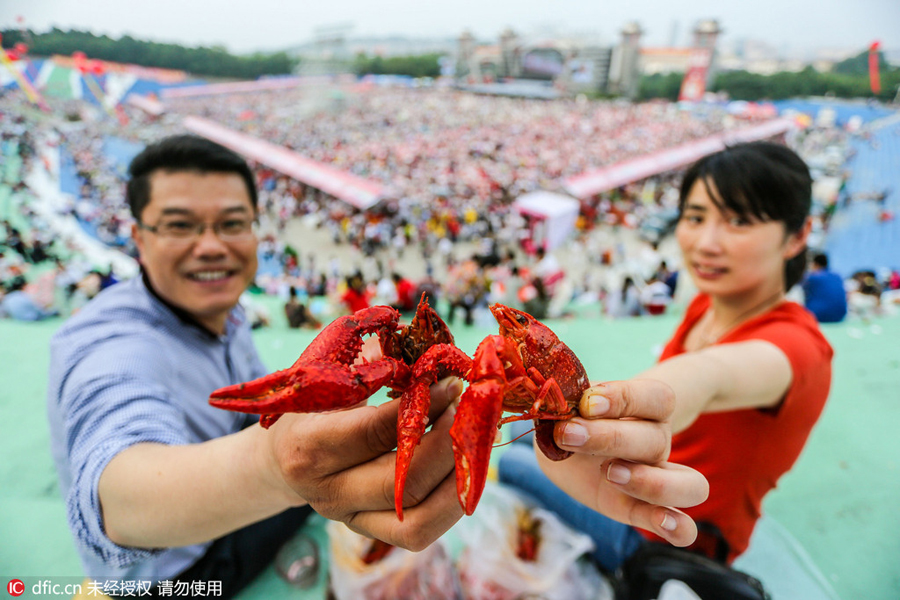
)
(556, 213)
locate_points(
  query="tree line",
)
(204, 61)
(847, 79)
(424, 65)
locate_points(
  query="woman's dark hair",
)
(181, 153)
(764, 180)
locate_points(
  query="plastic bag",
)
(425, 575)
(490, 566)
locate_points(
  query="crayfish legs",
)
(500, 382)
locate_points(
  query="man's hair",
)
(177, 154)
(821, 260)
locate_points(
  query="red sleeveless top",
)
(744, 452)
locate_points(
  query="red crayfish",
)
(525, 370)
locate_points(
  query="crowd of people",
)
(499, 262)
(422, 149)
(451, 162)
(42, 274)
(473, 150)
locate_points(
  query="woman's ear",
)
(796, 242)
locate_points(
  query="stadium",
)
(522, 149)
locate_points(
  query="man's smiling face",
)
(201, 274)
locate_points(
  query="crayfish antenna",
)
(518, 437)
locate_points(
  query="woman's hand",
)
(621, 444)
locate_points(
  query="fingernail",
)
(455, 388)
(574, 435)
(618, 474)
(669, 522)
(597, 405)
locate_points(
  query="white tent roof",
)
(557, 212)
(547, 204)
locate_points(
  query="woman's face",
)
(730, 256)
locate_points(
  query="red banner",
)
(358, 191)
(612, 176)
(693, 86)
(874, 77)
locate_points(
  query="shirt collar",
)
(183, 315)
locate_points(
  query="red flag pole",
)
(874, 77)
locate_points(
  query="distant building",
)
(756, 56)
(664, 60)
(567, 66)
(698, 62)
(625, 71)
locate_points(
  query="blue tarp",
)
(120, 152)
(142, 87)
(69, 181)
(843, 110)
(858, 238)
(31, 72)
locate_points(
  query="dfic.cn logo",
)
(15, 587)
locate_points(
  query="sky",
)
(794, 27)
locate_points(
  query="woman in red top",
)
(749, 370)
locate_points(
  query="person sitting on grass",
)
(298, 314)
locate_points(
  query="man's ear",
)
(136, 235)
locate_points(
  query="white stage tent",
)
(361, 193)
(556, 212)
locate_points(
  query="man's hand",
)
(342, 464)
(621, 445)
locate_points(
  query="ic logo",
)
(15, 587)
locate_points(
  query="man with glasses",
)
(161, 486)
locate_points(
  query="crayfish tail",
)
(473, 433)
(411, 423)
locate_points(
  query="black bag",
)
(642, 575)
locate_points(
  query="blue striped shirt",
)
(129, 369)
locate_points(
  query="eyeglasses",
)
(184, 230)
